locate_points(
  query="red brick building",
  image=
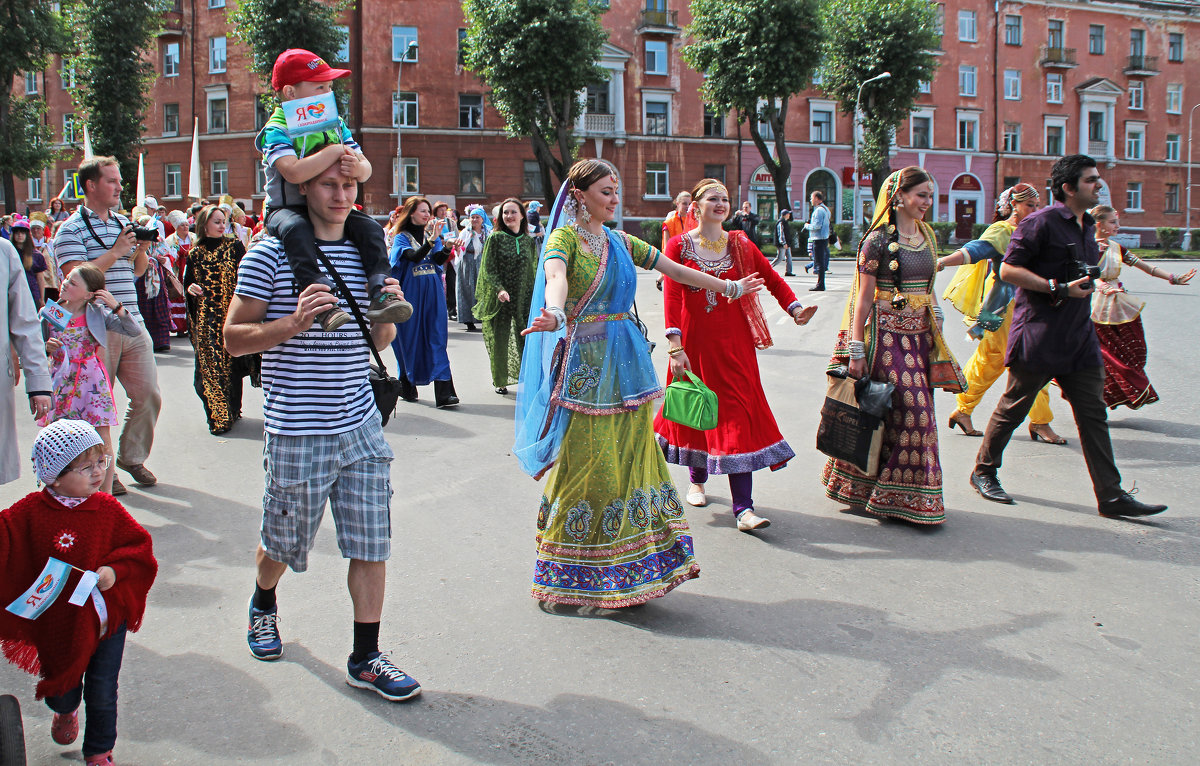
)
(1017, 86)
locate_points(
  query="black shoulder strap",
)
(358, 317)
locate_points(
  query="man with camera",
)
(95, 233)
(1052, 261)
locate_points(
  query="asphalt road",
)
(1033, 633)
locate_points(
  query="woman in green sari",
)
(503, 292)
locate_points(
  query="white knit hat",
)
(58, 444)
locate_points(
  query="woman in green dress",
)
(611, 530)
(503, 292)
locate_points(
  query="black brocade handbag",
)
(385, 388)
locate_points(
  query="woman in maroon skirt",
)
(1118, 317)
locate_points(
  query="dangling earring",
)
(585, 215)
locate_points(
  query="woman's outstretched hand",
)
(802, 315)
(547, 322)
(750, 284)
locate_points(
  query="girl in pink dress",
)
(82, 390)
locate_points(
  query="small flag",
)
(45, 589)
(55, 315)
(310, 115)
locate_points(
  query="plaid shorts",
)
(351, 470)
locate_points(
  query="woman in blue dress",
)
(417, 256)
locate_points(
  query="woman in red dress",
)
(716, 340)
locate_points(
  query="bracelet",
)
(117, 310)
(675, 351)
(559, 315)
(938, 314)
(857, 349)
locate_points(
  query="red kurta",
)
(98, 532)
(717, 340)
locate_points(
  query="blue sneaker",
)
(378, 673)
(263, 633)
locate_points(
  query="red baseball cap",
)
(297, 65)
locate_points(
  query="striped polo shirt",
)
(75, 242)
(316, 382)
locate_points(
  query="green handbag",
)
(691, 403)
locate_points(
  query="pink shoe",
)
(104, 759)
(65, 728)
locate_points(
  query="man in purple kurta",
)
(1052, 337)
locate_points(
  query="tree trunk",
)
(10, 186)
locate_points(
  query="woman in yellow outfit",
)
(990, 318)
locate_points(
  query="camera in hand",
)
(145, 233)
(1080, 270)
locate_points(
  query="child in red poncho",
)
(66, 645)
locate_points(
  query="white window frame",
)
(656, 97)
(1167, 198)
(1170, 47)
(1133, 197)
(31, 84)
(412, 164)
(482, 177)
(967, 75)
(171, 62)
(401, 39)
(66, 75)
(968, 27)
(211, 94)
(218, 54)
(925, 86)
(1135, 140)
(260, 180)
(460, 111)
(343, 51)
(172, 169)
(218, 168)
(1054, 121)
(966, 117)
(1174, 145)
(1103, 41)
(531, 169)
(1012, 84)
(665, 170)
(214, 4)
(1013, 147)
(926, 113)
(68, 127)
(1175, 98)
(658, 50)
(34, 187)
(1054, 87)
(396, 112)
(166, 131)
(823, 105)
(1137, 96)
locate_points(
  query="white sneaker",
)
(696, 496)
(748, 521)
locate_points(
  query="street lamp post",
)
(411, 50)
(854, 130)
(1187, 225)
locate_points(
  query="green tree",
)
(31, 32)
(536, 56)
(112, 79)
(755, 55)
(865, 38)
(269, 27)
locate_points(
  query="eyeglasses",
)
(100, 465)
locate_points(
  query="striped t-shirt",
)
(316, 382)
(75, 242)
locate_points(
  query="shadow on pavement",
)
(914, 659)
(1164, 427)
(571, 728)
(235, 725)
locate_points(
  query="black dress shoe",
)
(989, 488)
(1125, 505)
(817, 289)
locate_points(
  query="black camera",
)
(145, 233)
(1080, 270)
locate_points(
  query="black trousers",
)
(290, 226)
(1084, 390)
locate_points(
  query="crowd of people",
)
(299, 301)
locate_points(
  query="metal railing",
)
(1140, 63)
(1056, 56)
(666, 19)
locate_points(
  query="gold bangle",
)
(675, 351)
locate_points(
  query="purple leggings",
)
(741, 486)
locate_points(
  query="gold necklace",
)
(911, 239)
(717, 245)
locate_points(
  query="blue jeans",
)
(99, 692)
(820, 255)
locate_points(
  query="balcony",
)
(1057, 58)
(1098, 148)
(599, 124)
(1142, 66)
(659, 23)
(172, 24)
